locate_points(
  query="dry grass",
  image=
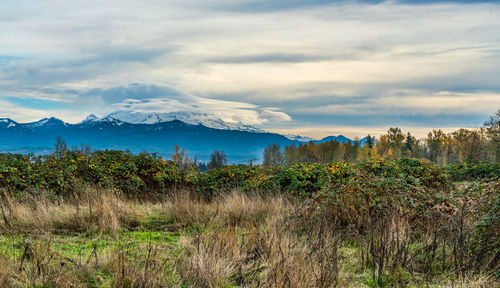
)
(472, 281)
(269, 258)
(257, 248)
(4, 273)
(234, 208)
(146, 271)
(39, 266)
(235, 240)
(42, 266)
(99, 211)
(238, 209)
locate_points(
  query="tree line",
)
(461, 146)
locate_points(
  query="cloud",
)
(164, 99)
(277, 5)
(268, 58)
(415, 102)
(153, 105)
(320, 62)
(99, 63)
(112, 95)
(274, 116)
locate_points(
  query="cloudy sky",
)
(310, 67)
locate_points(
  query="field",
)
(114, 219)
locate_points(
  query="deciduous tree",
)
(217, 159)
(273, 156)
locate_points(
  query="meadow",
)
(117, 219)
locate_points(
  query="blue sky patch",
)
(40, 104)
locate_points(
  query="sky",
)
(314, 68)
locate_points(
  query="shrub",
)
(469, 172)
(140, 175)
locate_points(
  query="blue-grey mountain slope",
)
(110, 133)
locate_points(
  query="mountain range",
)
(199, 133)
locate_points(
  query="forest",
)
(461, 146)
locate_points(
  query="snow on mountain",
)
(52, 121)
(93, 120)
(299, 138)
(89, 118)
(193, 118)
(7, 122)
(119, 117)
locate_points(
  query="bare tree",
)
(493, 131)
(273, 156)
(217, 159)
(60, 147)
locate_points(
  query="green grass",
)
(75, 247)
(156, 222)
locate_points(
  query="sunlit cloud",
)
(232, 112)
(415, 102)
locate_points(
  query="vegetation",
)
(81, 218)
(217, 159)
(464, 145)
(116, 219)
(461, 146)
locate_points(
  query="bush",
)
(140, 175)
(243, 177)
(469, 171)
(148, 174)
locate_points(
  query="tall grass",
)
(235, 239)
(102, 211)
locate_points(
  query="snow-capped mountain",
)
(154, 132)
(47, 122)
(193, 118)
(7, 123)
(299, 138)
(89, 118)
(110, 133)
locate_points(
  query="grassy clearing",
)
(235, 240)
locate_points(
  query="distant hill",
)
(340, 139)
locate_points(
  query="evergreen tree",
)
(409, 145)
(370, 141)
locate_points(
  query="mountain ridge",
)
(193, 118)
(110, 133)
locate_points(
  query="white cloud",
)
(443, 102)
(421, 102)
(307, 61)
(233, 112)
(274, 116)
